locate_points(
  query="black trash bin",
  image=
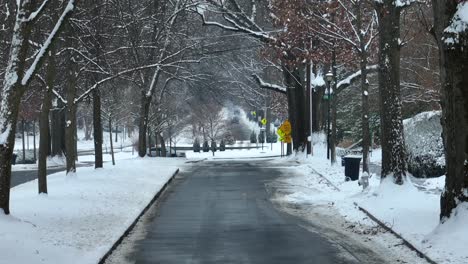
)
(352, 166)
(13, 159)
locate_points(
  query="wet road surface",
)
(220, 212)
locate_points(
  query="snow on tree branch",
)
(353, 77)
(269, 86)
(39, 57)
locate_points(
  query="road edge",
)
(384, 226)
(117, 243)
(389, 229)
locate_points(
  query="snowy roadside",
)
(83, 215)
(268, 151)
(316, 187)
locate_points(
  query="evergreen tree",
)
(253, 137)
(196, 145)
(261, 138)
(213, 146)
(206, 147)
(222, 145)
(272, 138)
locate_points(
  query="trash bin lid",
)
(353, 157)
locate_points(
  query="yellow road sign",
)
(280, 133)
(264, 121)
(286, 127)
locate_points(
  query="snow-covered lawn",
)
(59, 162)
(82, 144)
(83, 215)
(411, 210)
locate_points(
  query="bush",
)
(229, 138)
(222, 145)
(213, 146)
(206, 147)
(196, 145)
(261, 138)
(253, 137)
(272, 138)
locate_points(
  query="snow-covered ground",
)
(83, 215)
(82, 144)
(411, 210)
(269, 150)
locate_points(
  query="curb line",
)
(130, 228)
(389, 229)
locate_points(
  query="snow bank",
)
(83, 215)
(412, 210)
(423, 138)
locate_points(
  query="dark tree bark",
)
(163, 147)
(97, 129)
(393, 141)
(454, 79)
(34, 140)
(23, 136)
(116, 134)
(143, 124)
(58, 130)
(70, 123)
(44, 128)
(308, 104)
(296, 106)
(111, 142)
(366, 138)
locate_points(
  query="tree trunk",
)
(149, 143)
(296, 107)
(11, 94)
(70, 135)
(34, 140)
(44, 128)
(309, 106)
(23, 130)
(393, 141)
(333, 137)
(334, 102)
(454, 79)
(111, 142)
(143, 124)
(58, 129)
(366, 137)
(163, 147)
(97, 129)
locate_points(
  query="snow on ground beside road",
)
(410, 210)
(83, 215)
(58, 162)
(127, 154)
(82, 144)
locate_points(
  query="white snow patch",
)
(81, 217)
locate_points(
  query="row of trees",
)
(354, 39)
(130, 63)
(126, 59)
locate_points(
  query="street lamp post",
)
(329, 76)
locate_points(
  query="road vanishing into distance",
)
(220, 212)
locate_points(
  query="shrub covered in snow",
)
(423, 138)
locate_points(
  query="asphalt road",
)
(220, 212)
(23, 176)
